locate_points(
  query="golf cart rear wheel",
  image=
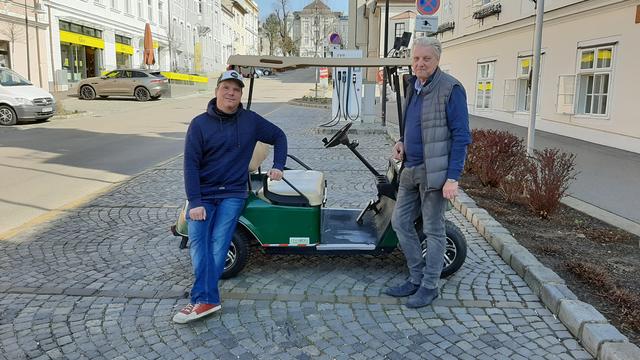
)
(238, 254)
(455, 251)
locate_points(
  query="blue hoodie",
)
(217, 151)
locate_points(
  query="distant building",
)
(312, 26)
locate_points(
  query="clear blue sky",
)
(267, 6)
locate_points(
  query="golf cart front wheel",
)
(238, 254)
(455, 251)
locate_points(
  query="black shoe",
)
(406, 289)
(422, 297)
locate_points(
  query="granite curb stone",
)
(594, 335)
(618, 351)
(585, 322)
(553, 294)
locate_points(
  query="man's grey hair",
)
(428, 42)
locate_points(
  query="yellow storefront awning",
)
(124, 49)
(69, 37)
(155, 44)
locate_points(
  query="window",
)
(484, 84)
(524, 85)
(160, 9)
(140, 8)
(127, 6)
(150, 10)
(595, 68)
(114, 4)
(399, 29)
(5, 55)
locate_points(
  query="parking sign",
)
(427, 7)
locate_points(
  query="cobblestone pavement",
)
(104, 280)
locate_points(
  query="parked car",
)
(142, 84)
(21, 100)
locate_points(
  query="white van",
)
(20, 100)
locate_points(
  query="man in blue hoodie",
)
(217, 152)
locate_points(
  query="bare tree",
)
(13, 32)
(287, 45)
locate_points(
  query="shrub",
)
(513, 186)
(550, 172)
(493, 155)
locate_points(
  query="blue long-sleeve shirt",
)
(218, 149)
(457, 121)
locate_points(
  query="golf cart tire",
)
(456, 246)
(457, 238)
(240, 240)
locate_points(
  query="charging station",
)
(346, 102)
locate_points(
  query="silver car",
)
(142, 84)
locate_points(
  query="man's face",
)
(228, 96)
(424, 62)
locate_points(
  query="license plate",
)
(47, 109)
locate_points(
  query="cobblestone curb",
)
(308, 104)
(599, 338)
(72, 115)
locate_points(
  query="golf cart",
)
(299, 199)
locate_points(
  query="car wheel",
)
(238, 254)
(87, 92)
(142, 94)
(455, 251)
(7, 116)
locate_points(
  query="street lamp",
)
(26, 26)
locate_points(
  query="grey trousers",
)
(414, 198)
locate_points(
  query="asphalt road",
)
(55, 165)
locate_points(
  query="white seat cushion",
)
(309, 182)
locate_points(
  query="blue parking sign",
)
(427, 7)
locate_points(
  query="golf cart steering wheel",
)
(339, 138)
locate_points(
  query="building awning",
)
(69, 37)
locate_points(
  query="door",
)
(90, 54)
(107, 85)
(138, 78)
(123, 83)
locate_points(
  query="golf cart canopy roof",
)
(293, 62)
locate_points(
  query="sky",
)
(267, 6)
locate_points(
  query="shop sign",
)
(124, 49)
(69, 37)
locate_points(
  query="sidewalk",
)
(105, 279)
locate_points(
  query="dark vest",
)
(436, 137)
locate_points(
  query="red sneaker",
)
(193, 312)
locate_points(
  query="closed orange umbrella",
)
(149, 58)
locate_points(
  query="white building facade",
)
(91, 37)
(312, 27)
(588, 78)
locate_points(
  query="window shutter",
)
(566, 94)
(509, 97)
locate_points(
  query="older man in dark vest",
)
(433, 147)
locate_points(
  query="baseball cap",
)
(231, 75)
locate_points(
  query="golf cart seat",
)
(309, 182)
(260, 153)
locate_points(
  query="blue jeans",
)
(415, 199)
(210, 239)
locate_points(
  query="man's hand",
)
(398, 151)
(198, 213)
(450, 190)
(275, 174)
